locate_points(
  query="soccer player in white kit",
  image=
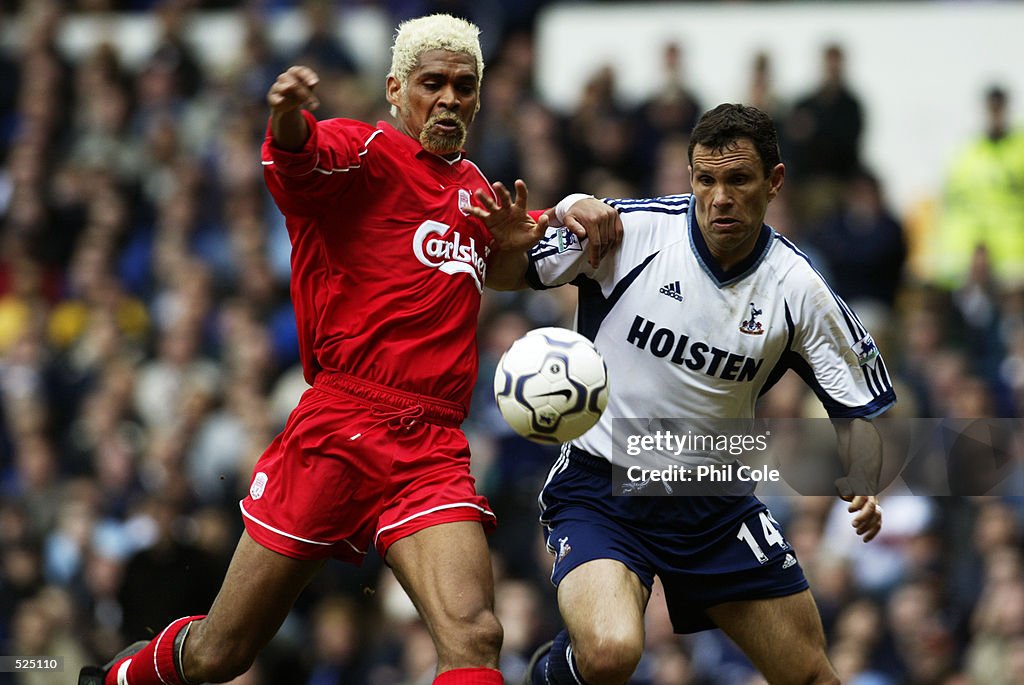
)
(699, 311)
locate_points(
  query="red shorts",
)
(358, 463)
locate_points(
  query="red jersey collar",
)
(412, 146)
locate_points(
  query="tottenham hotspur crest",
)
(752, 326)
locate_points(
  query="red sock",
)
(154, 663)
(467, 676)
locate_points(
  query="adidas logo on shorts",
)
(790, 561)
(673, 290)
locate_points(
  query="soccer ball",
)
(551, 385)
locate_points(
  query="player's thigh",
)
(258, 591)
(446, 571)
(602, 603)
(782, 636)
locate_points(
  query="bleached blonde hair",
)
(433, 32)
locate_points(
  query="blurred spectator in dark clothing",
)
(761, 93)
(173, 560)
(542, 154)
(21, 578)
(863, 249)
(337, 642)
(863, 244)
(598, 134)
(822, 138)
(977, 302)
(173, 54)
(495, 142)
(672, 111)
(9, 76)
(323, 50)
(499, 143)
(44, 99)
(825, 126)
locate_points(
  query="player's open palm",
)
(294, 89)
(514, 230)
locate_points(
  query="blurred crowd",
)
(148, 351)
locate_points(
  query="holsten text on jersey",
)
(695, 355)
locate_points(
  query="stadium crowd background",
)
(148, 355)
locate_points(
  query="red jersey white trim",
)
(387, 268)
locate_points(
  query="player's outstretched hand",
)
(294, 89)
(513, 229)
(868, 521)
(599, 223)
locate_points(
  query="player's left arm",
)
(860, 450)
(838, 358)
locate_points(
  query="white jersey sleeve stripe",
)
(667, 205)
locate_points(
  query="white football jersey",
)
(683, 339)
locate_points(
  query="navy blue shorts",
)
(706, 550)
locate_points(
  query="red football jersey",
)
(387, 267)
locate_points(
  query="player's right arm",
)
(293, 90)
(307, 162)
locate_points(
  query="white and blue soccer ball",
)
(551, 385)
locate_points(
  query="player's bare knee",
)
(472, 640)
(485, 632)
(609, 658)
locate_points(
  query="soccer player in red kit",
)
(388, 266)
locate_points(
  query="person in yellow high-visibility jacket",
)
(983, 202)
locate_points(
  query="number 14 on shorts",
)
(769, 530)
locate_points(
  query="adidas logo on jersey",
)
(789, 561)
(673, 290)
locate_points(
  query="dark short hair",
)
(722, 126)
